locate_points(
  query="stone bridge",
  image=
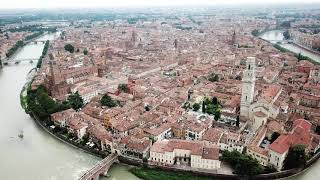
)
(17, 61)
(36, 42)
(100, 169)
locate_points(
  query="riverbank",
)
(62, 135)
(274, 36)
(297, 55)
(24, 158)
(21, 43)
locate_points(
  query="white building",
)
(248, 83)
(232, 142)
(184, 152)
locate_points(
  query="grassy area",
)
(157, 174)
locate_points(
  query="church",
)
(258, 107)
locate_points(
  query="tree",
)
(75, 101)
(196, 106)
(296, 157)
(123, 88)
(318, 130)
(69, 47)
(255, 32)
(203, 107)
(242, 164)
(286, 34)
(106, 100)
(213, 77)
(85, 51)
(84, 139)
(238, 121)
(39, 103)
(274, 136)
(214, 101)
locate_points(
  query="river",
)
(37, 156)
(277, 35)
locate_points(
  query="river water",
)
(277, 35)
(37, 156)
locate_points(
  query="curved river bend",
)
(38, 156)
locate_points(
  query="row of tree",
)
(34, 35)
(14, 48)
(44, 52)
(20, 44)
(32, 28)
(298, 56)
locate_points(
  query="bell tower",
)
(248, 82)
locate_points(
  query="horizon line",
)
(165, 6)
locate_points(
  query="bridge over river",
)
(100, 169)
(16, 60)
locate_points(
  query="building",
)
(184, 152)
(232, 142)
(60, 118)
(248, 83)
(300, 134)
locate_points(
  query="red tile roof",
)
(299, 135)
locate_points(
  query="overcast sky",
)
(5, 4)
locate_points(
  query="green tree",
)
(84, 139)
(242, 164)
(274, 136)
(106, 100)
(39, 103)
(255, 32)
(238, 121)
(69, 47)
(85, 51)
(215, 101)
(296, 157)
(123, 88)
(213, 77)
(14, 48)
(75, 101)
(318, 130)
(286, 34)
(203, 107)
(196, 106)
